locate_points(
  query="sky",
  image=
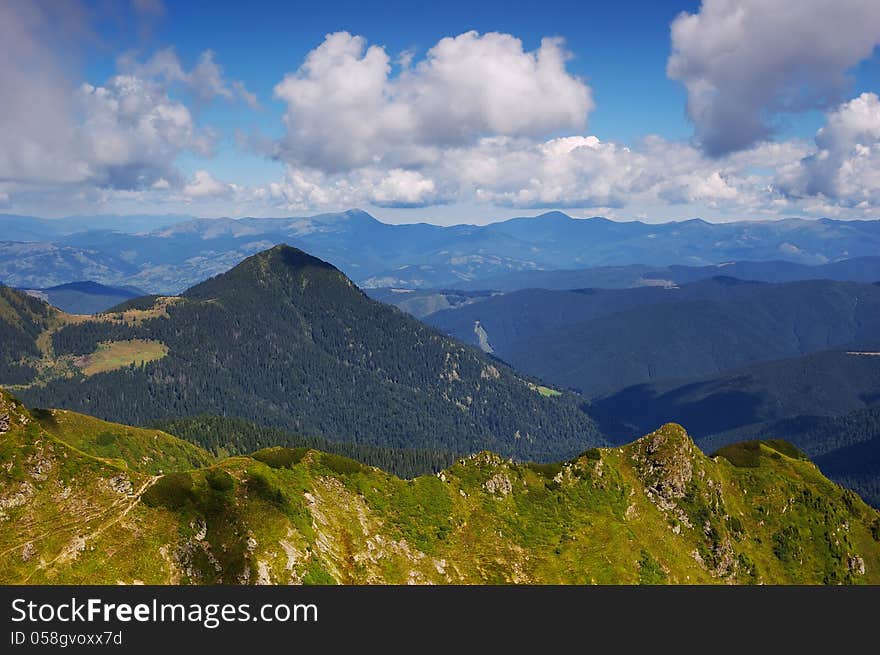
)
(442, 112)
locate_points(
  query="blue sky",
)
(620, 47)
(645, 111)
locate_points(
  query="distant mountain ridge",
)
(756, 400)
(84, 296)
(601, 340)
(170, 258)
(857, 269)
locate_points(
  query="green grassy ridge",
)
(144, 450)
(223, 436)
(749, 453)
(653, 512)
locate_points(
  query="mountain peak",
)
(358, 213)
(555, 216)
(289, 256)
(666, 456)
(276, 269)
(283, 255)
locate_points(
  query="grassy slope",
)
(113, 355)
(69, 517)
(655, 511)
(27, 326)
(143, 450)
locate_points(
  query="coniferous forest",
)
(286, 340)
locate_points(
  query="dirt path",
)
(125, 506)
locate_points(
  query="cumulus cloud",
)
(205, 185)
(564, 172)
(63, 140)
(303, 189)
(745, 61)
(133, 131)
(346, 107)
(845, 168)
(574, 171)
(401, 188)
(475, 120)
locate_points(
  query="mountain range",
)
(856, 269)
(733, 360)
(89, 502)
(288, 347)
(286, 340)
(170, 254)
(601, 340)
(85, 296)
(266, 396)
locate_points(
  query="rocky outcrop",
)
(665, 461)
(856, 565)
(499, 484)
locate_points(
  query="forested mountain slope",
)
(601, 340)
(286, 340)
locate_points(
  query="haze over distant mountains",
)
(730, 359)
(600, 340)
(735, 330)
(169, 254)
(85, 297)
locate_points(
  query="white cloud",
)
(845, 168)
(303, 189)
(464, 124)
(62, 141)
(249, 98)
(133, 131)
(37, 103)
(477, 120)
(205, 185)
(207, 80)
(745, 61)
(402, 188)
(565, 172)
(345, 108)
(476, 84)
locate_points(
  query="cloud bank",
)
(345, 108)
(475, 119)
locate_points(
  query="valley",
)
(294, 429)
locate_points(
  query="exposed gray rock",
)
(855, 564)
(499, 484)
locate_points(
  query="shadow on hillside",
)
(700, 408)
